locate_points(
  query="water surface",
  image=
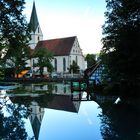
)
(46, 111)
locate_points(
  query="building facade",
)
(65, 50)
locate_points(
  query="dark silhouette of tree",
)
(120, 122)
(91, 59)
(43, 59)
(14, 33)
(12, 125)
(74, 68)
(121, 45)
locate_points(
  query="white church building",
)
(64, 50)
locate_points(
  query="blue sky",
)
(64, 18)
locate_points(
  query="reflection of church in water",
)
(58, 102)
(36, 116)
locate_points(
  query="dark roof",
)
(34, 19)
(89, 71)
(59, 47)
(52, 101)
(36, 127)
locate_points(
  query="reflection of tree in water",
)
(12, 125)
(120, 122)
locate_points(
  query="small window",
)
(55, 64)
(76, 60)
(38, 38)
(38, 30)
(64, 64)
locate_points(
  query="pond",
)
(45, 111)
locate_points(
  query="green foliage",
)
(121, 45)
(14, 35)
(74, 68)
(1, 73)
(13, 125)
(91, 59)
(44, 58)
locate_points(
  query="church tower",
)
(36, 117)
(36, 33)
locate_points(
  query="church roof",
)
(34, 19)
(36, 127)
(59, 47)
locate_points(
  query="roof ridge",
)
(59, 38)
(59, 46)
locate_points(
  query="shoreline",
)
(37, 80)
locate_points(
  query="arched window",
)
(55, 64)
(64, 64)
(76, 60)
(38, 30)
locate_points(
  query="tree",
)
(12, 125)
(18, 61)
(74, 68)
(121, 45)
(91, 59)
(14, 31)
(43, 59)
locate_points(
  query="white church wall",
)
(60, 65)
(35, 37)
(77, 55)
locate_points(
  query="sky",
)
(65, 18)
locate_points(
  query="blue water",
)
(46, 112)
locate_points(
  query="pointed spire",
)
(34, 19)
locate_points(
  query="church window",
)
(55, 64)
(64, 64)
(38, 38)
(38, 30)
(70, 60)
(76, 60)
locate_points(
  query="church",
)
(65, 50)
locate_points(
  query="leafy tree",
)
(14, 33)
(121, 45)
(91, 59)
(74, 68)
(13, 126)
(43, 59)
(18, 61)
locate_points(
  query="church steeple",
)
(34, 19)
(36, 33)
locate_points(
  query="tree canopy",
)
(121, 45)
(14, 32)
(74, 68)
(43, 59)
(91, 59)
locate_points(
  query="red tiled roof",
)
(59, 47)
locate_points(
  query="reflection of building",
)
(36, 106)
(61, 89)
(36, 116)
(57, 88)
(63, 102)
